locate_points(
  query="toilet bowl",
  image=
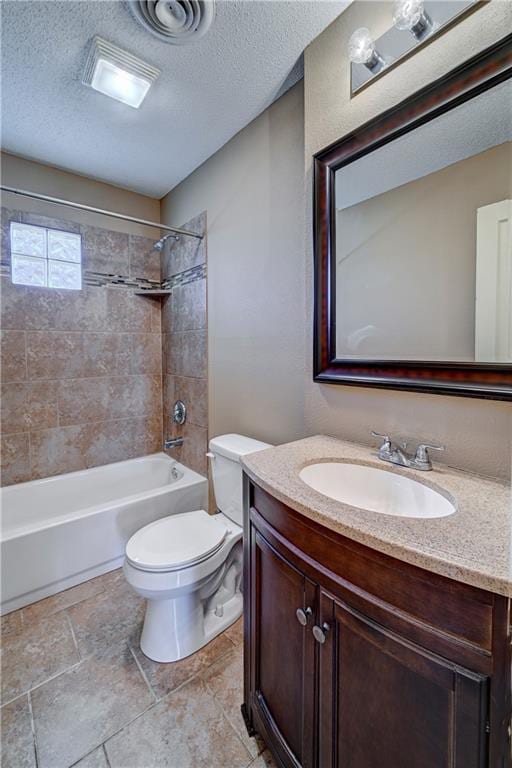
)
(188, 566)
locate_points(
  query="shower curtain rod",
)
(91, 209)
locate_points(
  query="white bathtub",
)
(60, 531)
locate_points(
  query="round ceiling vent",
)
(174, 21)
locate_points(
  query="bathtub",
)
(60, 531)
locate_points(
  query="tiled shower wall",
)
(184, 344)
(81, 370)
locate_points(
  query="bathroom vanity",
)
(375, 640)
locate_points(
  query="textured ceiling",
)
(206, 93)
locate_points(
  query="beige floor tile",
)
(11, 624)
(96, 759)
(72, 596)
(225, 680)
(58, 602)
(18, 749)
(36, 653)
(236, 631)
(165, 678)
(77, 711)
(111, 580)
(265, 760)
(112, 617)
(187, 729)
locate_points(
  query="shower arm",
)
(103, 212)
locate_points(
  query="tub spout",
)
(173, 442)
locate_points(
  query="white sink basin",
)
(376, 490)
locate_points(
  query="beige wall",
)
(253, 192)
(260, 262)
(34, 177)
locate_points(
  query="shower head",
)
(159, 245)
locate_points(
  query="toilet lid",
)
(176, 541)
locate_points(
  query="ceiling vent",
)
(174, 21)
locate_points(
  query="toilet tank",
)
(225, 453)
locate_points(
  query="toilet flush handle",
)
(210, 455)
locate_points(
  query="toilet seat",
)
(176, 542)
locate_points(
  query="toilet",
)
(189, 566)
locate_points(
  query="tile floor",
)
(77, 691)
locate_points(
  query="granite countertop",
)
(473, 545)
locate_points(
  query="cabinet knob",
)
(303, 615)
(319, 633)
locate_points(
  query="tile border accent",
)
(185, 277)
(99, 279)
(103, 279)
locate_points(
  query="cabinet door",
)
(282, 666)
(387, 703)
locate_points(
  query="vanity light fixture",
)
(414, 23)
(117, 73)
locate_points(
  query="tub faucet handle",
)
(179, 412)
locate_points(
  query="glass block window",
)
(49, 258)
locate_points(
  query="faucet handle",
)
(386, 445)
(379, 434)
(422, 450)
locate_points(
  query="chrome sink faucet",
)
(395, 454)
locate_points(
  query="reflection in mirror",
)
(423, 241)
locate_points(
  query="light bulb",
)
(407, 13)
(411, 15)
(361, 50)
(361, 46)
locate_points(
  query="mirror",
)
(413, 240)
(423, 240)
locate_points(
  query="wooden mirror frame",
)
(487, 380)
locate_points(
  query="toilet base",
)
(160, 641)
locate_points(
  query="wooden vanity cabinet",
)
(356, 660)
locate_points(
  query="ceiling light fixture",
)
(118, 74)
